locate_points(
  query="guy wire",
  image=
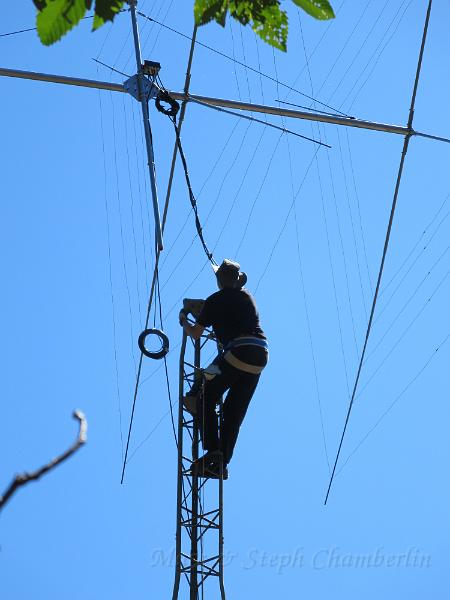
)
(386, 242)
(335, 111)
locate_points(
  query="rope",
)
(382, 49)
(386, 243)
(286, 220)
(391, 406)
(325, 220)
(169, 395)
(331, 22)
(132, 209)
(208, 177)
(386, 305)
(150, 53)
(358, 52)
(411, 252)
(332, 272)
(342, 248)
(139, 369)
(187, 84)
(361, 228)
(305, 303)
(245, 60)
(121, 228)
(155, 279)
(300, 262)
(235, 62)
(35, 28)
(236, 196)
(405, 331)
(350, 211)
(171, 112)
(355, 28)
(266, 174)
(212, 208)
(238, 62)
(191, 195)
(113, 302)
(395, 320)
(16, 32)
(140, 173)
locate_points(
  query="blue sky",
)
(76, 256)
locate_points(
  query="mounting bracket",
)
(149, 90)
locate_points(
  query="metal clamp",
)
(149, 90)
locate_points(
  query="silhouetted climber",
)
(233, 316)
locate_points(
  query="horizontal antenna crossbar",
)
(89, 83)
(296, 114)
(272, 110)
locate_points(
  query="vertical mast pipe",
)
(221, 541)
(176, 585)
(193, 580)
(147, 129)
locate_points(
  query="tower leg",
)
(199, 528)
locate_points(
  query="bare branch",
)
(24, 478)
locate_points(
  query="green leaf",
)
(245, 10)
(57, 18)
(206, 11)
(320, 9)
(106, 10)
(273, 29)
(266, 18)
(40, 4)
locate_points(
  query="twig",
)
(24, 478)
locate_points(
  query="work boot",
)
(210, 465)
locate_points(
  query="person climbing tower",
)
(233, 316)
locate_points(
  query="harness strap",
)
(241, 365)
(246, 341)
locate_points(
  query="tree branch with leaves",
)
(266, 17)
(268, 20)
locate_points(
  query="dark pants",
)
(241, 387)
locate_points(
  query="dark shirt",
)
(231, 313)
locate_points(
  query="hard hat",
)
(229, 274)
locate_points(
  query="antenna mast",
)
(143, 89)
(199, 534)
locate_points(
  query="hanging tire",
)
(164, 343)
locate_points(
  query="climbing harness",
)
(236, 362)
(246, 341)
(164, 343)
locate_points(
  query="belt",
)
(246, 341)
